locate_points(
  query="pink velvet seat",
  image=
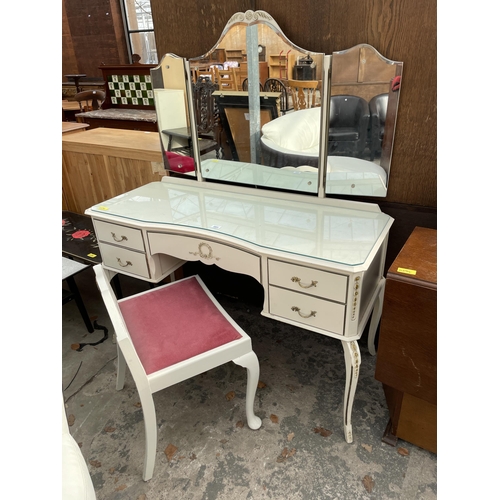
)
(169, 334)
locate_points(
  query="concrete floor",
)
(206, 451)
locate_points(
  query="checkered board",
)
(135, 90)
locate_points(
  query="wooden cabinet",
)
(407, 351)
(101, 163)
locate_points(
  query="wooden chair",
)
(277, 85)
(90, 100)
(303, 93)
(172, 333)
(226, 78)
(244, 85)
(207, 116)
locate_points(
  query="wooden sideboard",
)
(407, 350)
(104, 162)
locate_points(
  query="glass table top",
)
(316, 230)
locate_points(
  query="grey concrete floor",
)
(205, 449)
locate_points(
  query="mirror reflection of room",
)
(279, 116)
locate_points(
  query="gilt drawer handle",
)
(302, 315)
(123, 238)
(127, 263)
(298, 280)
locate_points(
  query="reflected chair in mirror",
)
(172, 333)
(348, 126)
(303, 93)
(378, 112)
(207, 116)
(276, 85)
(244, 85)
(90, 100)
(226, 79)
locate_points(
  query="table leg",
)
(352, 358)
(375, 319)
(79, 302)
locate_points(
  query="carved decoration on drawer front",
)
(301, 314)
(205, 252)
(295, 279)
(122, 238)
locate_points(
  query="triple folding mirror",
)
(258, 110)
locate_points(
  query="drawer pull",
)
(302, 315)
(298, 280)
(123, 238)
(127, 263)
(205, 254)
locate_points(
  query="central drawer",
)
(308, 310)
(315, 282)
(209, 252)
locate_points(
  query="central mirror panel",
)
(266, 90)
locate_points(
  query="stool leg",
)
(120, 369)
(79, 302)
(251, 363)
(148, 410)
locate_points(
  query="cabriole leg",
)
(251, 363)
(352, 358)
(149, 413)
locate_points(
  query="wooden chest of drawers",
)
(407, 351)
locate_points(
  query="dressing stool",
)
(169, 334)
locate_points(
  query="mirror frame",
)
(251, 18)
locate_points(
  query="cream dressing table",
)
(320, 261)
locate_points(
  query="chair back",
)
(226, 79)
(303, 93)
(378, 113)
(244, 85)
(348, 126)
(205, 107)
(277, 85)
(93, 99)
(348, 111)
(378, 107)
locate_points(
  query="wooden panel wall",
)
(402, 30)
(93, 34)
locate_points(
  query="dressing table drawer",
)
(209, 252)
(323, 284)
(310, 311)
(124, 260)
(119, 235)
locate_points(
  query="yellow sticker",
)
(103, 208)
(406, 271)
(91, 255)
